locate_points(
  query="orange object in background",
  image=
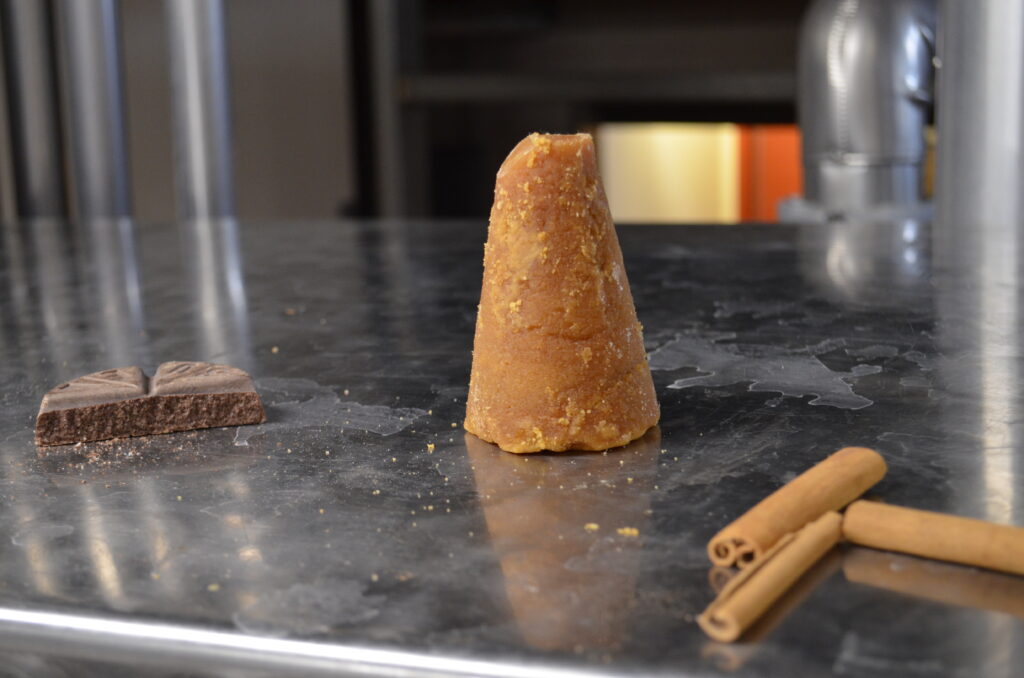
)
(680, 172)
(769, 169)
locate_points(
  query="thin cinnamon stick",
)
(935, 535)
(827, 486)
(940, 582)
(731, 656)
(752, 592)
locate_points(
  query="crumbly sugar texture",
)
(558, 355)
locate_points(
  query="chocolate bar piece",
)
(123, 402)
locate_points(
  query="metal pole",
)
(201, 108)
(92, 62)
(34, 109)
(385, 65)
(980, 122)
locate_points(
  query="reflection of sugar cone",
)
(568, 534)
(558, 358)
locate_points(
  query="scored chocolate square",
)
(177, 378)
(122, 402)
(120, 383)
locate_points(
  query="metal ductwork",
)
(865, 76)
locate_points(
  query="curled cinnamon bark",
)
(827, 486)
(752, 592)
(935, 535)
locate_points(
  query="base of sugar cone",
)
(518, 447)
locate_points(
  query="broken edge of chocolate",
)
(123, 402)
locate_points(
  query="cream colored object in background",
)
(670, 172)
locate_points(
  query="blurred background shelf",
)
(407, 107)
(775, 88)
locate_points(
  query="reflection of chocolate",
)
(567, 529)
(184, 454)
(122, 402)
(940, 582)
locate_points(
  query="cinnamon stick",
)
(731, 656)
(827, 486)
(935, 535)
(940, 582)
(752, 592)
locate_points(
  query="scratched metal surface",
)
(359, 530)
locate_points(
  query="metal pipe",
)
(979, 248)
(979, 226)
(95, 103)
(385, 65)
(980, 120)
(865, 83)
(201, 108)
(33, 108)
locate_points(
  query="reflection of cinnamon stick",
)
(935, 535)
(719, 577)
(941, 582)
(828, 486)
(753, 591)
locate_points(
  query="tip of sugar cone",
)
(537, 145)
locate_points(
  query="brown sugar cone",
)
(558, 356)
(935, 535)
(940, 582)
(752, 592)
(569, 555)
(827, 486)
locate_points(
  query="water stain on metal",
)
(302, 403)
(304, 609)
(791, 372)
(873, 352)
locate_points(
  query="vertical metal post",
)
(95, 103)
(34, 108)
(979, 224)
(400, 153)
(980, 121)
(385, 64)
(201, 111)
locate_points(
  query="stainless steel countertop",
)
(333, 538)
